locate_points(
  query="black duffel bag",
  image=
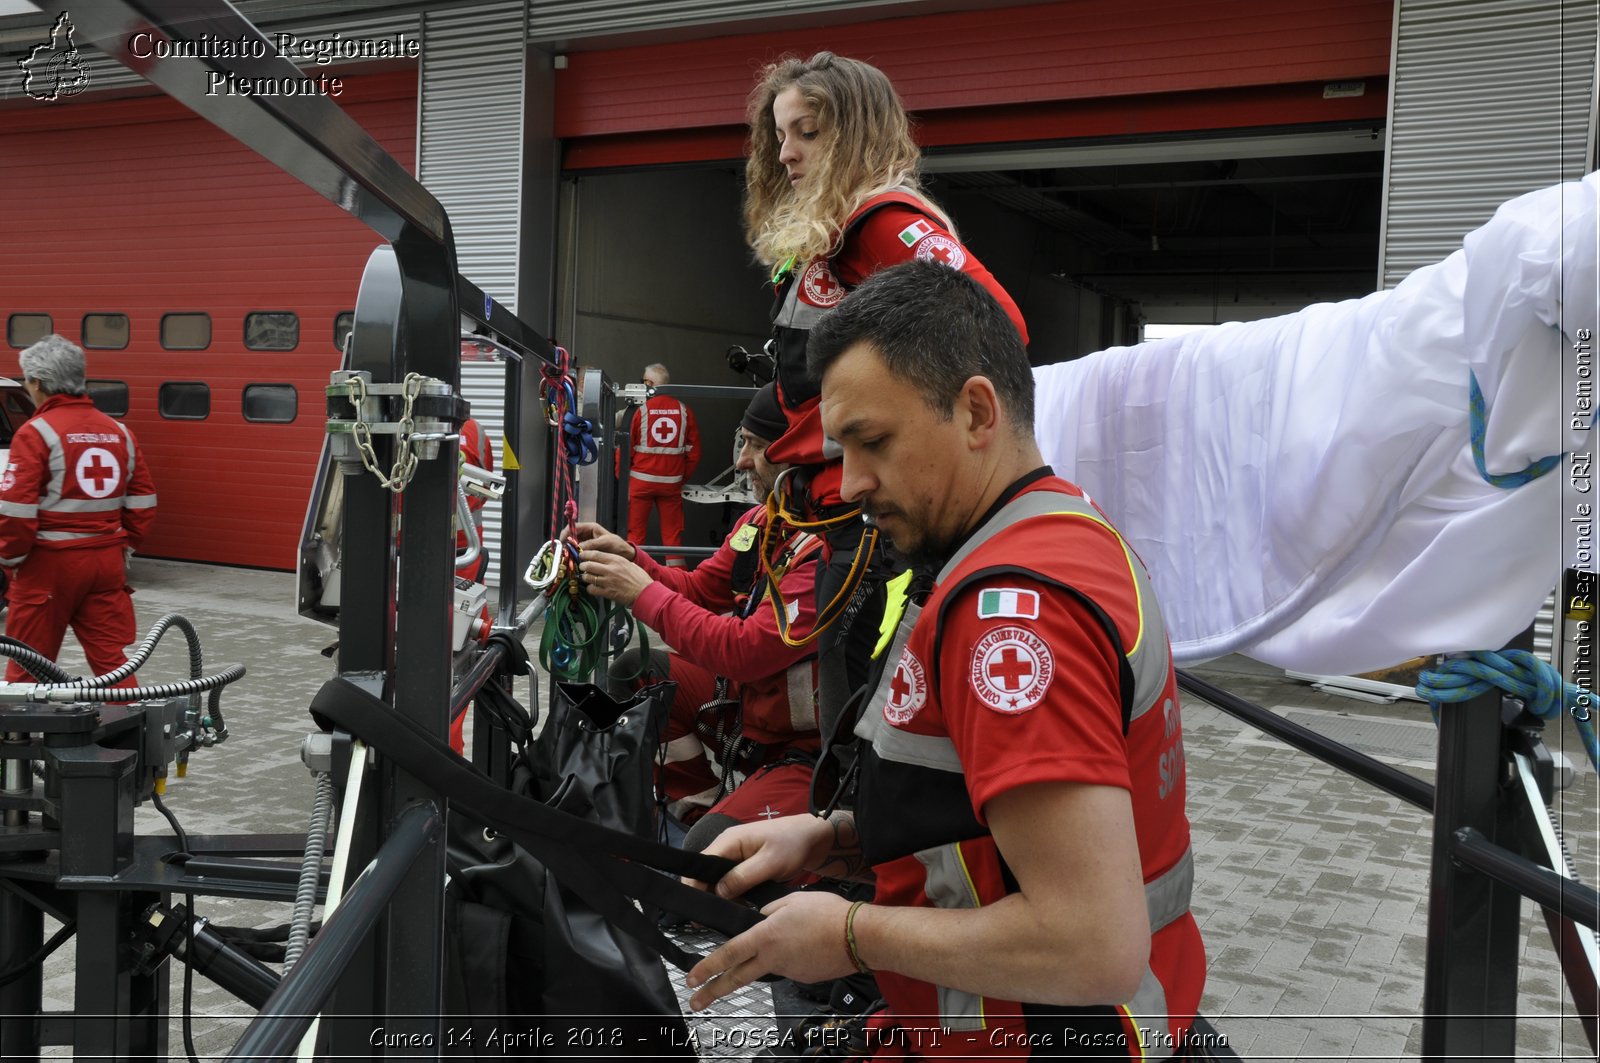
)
(547, 955)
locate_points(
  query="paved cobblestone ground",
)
(1311, 887)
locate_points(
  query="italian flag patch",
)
(1008, 602)
(915, 231)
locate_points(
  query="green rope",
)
(574, 643)
(1521, 674)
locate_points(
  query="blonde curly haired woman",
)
(831, 197)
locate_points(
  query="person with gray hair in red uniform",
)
(664, 448)
(76, 500)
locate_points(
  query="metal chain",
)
(405, 465)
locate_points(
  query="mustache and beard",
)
(919, 544)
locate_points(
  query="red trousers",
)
(86, 590)
(687, 778)
(667, 500)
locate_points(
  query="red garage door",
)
(1088, 68)
(209, 283)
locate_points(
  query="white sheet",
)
(1302, 488)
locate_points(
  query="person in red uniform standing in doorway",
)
(832, 195)
(1021, 797)
(664, 447)
(76, 500)
(741, 736)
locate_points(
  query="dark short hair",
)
(936, 327)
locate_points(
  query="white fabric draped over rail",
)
(1303, 488)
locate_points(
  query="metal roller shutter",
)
(469, 155)
(1489, 99)
(558, 21)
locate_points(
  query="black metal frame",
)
(381, 951)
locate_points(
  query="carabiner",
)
(552, 551)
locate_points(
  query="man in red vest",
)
(1020, 797)
(76, 499)
(664, 444)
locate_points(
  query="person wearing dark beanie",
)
(764, 416)
(737, 677)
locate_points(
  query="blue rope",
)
(1477, 414)
(1521, 674)
(577, 434)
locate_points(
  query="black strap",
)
(606, 866)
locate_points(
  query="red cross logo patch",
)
(908, 690)
(98, 472)
(1011, 669)
(664, 429)
(819, 287)
(941, 249)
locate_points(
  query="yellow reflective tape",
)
(894, 607)
(508, 457)
(1138, 1031)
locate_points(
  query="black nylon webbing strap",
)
(607, 867)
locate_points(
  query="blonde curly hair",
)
(866, 145)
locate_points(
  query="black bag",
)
(523, 952)
(594, 757)
(534, 957)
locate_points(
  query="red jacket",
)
(886, 230)
(664, 442)
(699, 613)
(73, 481)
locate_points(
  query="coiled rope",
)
(1520, 674)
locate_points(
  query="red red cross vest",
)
(887, 229)
(74, 480)
(665, 440)
(1040, 656)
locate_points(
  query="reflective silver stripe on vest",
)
(67, 536)
(654, 479)
(948, 886)
(661, 450)
(1148, 657)
(58, 461)
(133, 457)
(1148, 1010)
(149, 502)
(796, 313)
(801, 685)
(867, 725)
(684, 747)
(18, 509)
(1166, 897)
(12, 562)
(84, 505)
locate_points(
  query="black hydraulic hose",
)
(41, 666)
(183, 688)
(147, 645)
